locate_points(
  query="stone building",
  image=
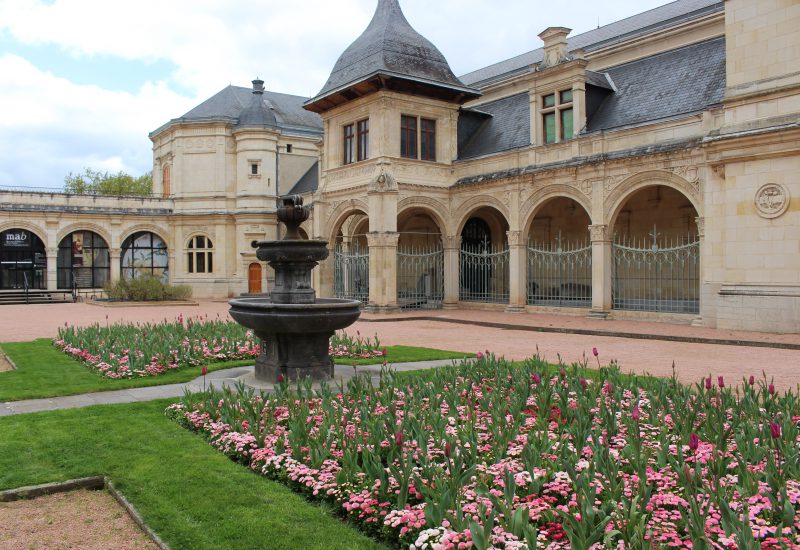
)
(645, 169)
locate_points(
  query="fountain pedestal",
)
(295, 327)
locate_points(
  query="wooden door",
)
(254, 279)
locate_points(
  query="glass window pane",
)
(143, 240)
(550, 128)
(209, 243)
(201, 263)
(549, 100)
(210, 262)
(160, 258)
(566, 96)
(566, 124)
(158, 242)
(201, 241)
(191, 262)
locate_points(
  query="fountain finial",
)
(292, 213)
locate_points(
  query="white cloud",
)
(50, 125)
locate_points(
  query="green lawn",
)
(191, 495)
(44, 371)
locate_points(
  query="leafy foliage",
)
(147, 288)
(95, 182)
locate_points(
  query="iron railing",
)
(484, 275)
(560, 274)
(351, 272)
(657, 274)
(420, 277)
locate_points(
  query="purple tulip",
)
(708, 383)
(775, 430)
(771, 389)
(752, 380)
(398, 438)
(595, 352)
(721, 382)
(694, 442)
(447, 449)
(584, 383)
(536, 378)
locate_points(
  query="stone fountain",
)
(294, 325)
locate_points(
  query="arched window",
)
(200, 255)
(83, 260)
(166, 180)
(145, 253)
(22, 258)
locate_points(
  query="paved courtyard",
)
(643, 347)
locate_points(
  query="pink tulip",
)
(479, 355)
(694, 442)
(536, 378)
(636, 413)
(771, 389)
(562, 373)
(721, 382)
(398, 438)
(775, 430)
(595, 352)
(752, 380)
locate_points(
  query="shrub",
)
(146, 289)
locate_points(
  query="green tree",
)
(95, 182)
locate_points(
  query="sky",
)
(83, 82)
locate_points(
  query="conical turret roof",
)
(389, 51)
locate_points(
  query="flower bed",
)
(494, 455)
(149, 349)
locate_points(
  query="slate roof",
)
(662, 17)
(495, 126)
(674, 83)
(670, 84)
(308, 183)
(390, 46)
(228, 104)
(258, 114)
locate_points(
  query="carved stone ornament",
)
(598, 233)
(772, 200)
(382, 183)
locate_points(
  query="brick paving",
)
(518, 340)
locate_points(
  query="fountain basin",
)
(295, 337)
(292, 251)
(265, 317)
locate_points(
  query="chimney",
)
(258, 86)
(555, 45)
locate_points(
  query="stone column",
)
(382, 271)
(701, 236)
(518, 273)
(52, 266)
(115, 259)
(452, 270)
(601, 271)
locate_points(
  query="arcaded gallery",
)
(646, 169)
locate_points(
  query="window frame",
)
(348, 143)
(553, 105)
(362, 140)
(420, 139)
(194, 252)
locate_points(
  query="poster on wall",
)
(77, 250)
(16, 239)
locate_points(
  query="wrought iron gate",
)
(560, 274)
(420, 277)
(351, 272)
(661, 275)
(484, 274)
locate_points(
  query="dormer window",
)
(557, 121)
(417, 138)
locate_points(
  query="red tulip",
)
(280, 379)
(694, 442)
(595, 352)
(398, 438)
(536, 378)
(708, 383)
(204, 371)
(721, 382)
(584, 383)
(775, 430)
(563, 373)
(447, 449)
(752, 380)
(771, 389)
(636, 413)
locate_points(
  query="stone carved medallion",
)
(772, 200)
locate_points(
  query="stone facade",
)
(708, 189)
